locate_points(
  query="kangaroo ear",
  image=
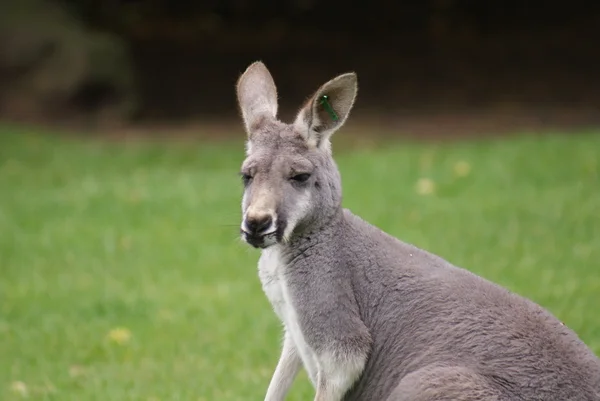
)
(257, 96)
(327, 110)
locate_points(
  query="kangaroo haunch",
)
(368, 316)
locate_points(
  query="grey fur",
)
(380, 319)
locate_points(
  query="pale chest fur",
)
(271, 270)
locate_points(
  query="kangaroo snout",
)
(258, 224)
(259, 229)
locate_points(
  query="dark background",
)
(424, 66)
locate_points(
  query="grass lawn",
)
(122, 276)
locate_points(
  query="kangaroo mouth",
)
(261, 241)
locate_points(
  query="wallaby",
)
(370, 317)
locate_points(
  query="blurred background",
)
(475, 135)
(425, 66)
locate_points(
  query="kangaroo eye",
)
(301, 177)
(246, 178)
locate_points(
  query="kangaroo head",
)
(291, 183)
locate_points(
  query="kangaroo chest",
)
(271, 271)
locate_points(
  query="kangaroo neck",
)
(317, 234)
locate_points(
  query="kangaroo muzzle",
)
(259, 222)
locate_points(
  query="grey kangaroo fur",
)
(368, 316)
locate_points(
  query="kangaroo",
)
(368, 316)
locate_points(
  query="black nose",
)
(258, 224)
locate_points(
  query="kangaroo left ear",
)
(327, 110)
(257, 97)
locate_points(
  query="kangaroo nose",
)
(258, 224)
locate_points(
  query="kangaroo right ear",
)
(257, 96)
(327, 110)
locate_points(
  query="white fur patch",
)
(244, 200)
(331, 373)
(271, 272)
(338, 373)
(298, 212)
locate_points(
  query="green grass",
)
(97, 236)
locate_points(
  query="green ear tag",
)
(325, 103)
